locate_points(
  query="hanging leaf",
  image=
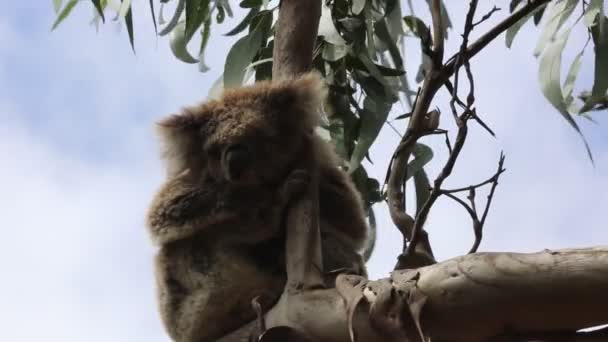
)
(599, 33)
(125, 6)
(333, 52)
(512, 31)
(327, 29)
(422, 155)
(99, 8)
(64, 13)
(196, 12)
(202, 66)
(179, 9)
(560, 12)
(373, 117)
(243, 51)
(178, 43)
(357, 6)
(417, 26)
(129, 24)
(592, 11)
(571, 78)
(422, 185)
(250, 3)
(153, 16)
(57, 5)
(549, 77)
(243, 24)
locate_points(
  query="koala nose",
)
(238, 159)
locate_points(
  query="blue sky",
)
(80, 163)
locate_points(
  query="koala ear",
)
(299, 100)
(180, 139)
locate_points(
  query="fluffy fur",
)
(233, 166)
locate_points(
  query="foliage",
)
(360, 52)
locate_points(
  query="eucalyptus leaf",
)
(125, 6)
(250, 3)
(179, 9)
(98, 7)
(129, 24)
(333, 52)
(549, 78)
(417, 26)
(422, 185)
(217, 88)
(202, 66)
(153, 16)
(57, 5)
(560, 12)
(357, 6)
(64, 13)
(197, 11)
(599, 33)
(571, 78)
(422, 156)
(178, 43)
(593, 10)
(243, 24)
(242, 53)
(373, 117)
(327, 29)
(512, 31)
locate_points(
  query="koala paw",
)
(295, 184)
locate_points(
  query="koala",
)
(233, 166)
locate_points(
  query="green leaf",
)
(57, 5)
(216, 88)
(599, 33)
(98, 7)
(327, 29)
(423, 189)
(178, 43)
(549, 78)
(593, 10)
(571, 78)
(202, 66)
(250, 3)
(560, 12)
(64, 13)
(373, 117)
(125, 6)
(242, 53)
(357, 6)
(196, 12)
(243, 24)
(333, 52)
(153, 16)
(129, 24)
(512, 31)
(422, 155)
(417, 26)
(513, 5)
(179, 9)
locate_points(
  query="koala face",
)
(252, 135)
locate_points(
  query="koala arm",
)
(341, 206)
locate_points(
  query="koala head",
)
(251, 135)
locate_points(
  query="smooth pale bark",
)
(469, 298)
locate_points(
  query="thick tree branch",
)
(296, 32)
(469, 298)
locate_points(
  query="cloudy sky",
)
(79, 164)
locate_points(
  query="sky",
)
(79, 165)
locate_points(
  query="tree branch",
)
(469, 298)
(296, 33)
